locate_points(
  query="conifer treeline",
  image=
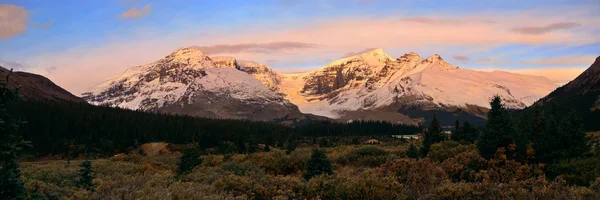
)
(59, 127)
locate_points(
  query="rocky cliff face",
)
(374, 81)
(37, 88)
(269, 77)
(189, 82)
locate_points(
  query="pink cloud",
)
(13, 20)
(134, 13)
(460, 58)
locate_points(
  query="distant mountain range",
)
(35, 87)
(409, 89)
(368, 86)
(189, 82)
(581, 95)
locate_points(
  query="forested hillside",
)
(58, 127)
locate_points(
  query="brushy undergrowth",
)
(450, 171)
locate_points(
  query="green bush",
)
(579, 171)
(370, 156)
(189, 159)
(447, 149)
(318, 164)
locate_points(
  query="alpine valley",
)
(368, 86)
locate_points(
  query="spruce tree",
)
(317, 164)
(498, 132)
(412, 151)
(432, 136)
(85, 175)
(11, 146)
(469, 132)
(188, 161)
(457, 133)
(251, 146)
(290, 146)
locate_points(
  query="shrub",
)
(318, 164)
(371, 156)
(364, 186)
(189, 159)
(418, 176)
(578, 171)
(412, 151)
(85, 175)
(464, 166)
(447, 149)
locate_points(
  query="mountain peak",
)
(434, 57)
(377, 53)
(410, 56)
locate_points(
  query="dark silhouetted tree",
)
(412, 151)
(317, 164)
(86, 175)
(188, 161)
(432, 136)
(11, 146)
(498, 132)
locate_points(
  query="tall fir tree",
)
(317, 164)
(432, 136)
(470, 133)
(290, 146)
(86, 175)
(457, 133)
(188, 161)
(412, 151)
(11, 146)
(498, 132)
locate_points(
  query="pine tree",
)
(457, 134)
(498, 132)
(85, 175)
(11, 146)
(469, 132)
(432, 136)
(412, 151)
(188, 161)
(317, 164)
(290, 146)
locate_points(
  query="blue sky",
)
(78, 44)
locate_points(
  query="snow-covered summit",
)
(373, 80)
(187, 81)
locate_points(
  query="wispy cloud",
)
(545, 29)
(13, 20)
(135, 13)
(562, 60)
(460, 58)
(559, 76)
(263, 48)
(357, 52)
(12, 65)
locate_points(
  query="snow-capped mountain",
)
(373, 85)
(189, 82)
(262, 72)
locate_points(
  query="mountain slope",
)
(189, 82)
(581, 95)
(373, 85)
(36, 87)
